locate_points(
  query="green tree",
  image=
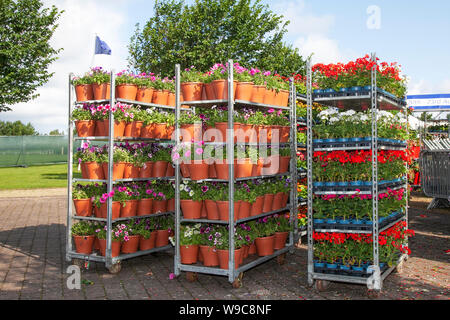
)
(25, 52)
(56, 133)
(211, 31)
(17, 128)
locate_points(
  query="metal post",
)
(374, 110)
(69, 175)
(230, 157)
(110, 172)
(294, 170)
(177, 172)
(309, 147)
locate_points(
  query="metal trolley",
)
(435, 172)
(374, 98)
(112, 263)
(234, 275)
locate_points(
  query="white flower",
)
(181, 187)
(334, 119)
(191, 193)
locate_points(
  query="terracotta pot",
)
(269, 133)
(99, 129)
(184, 168)
(265, 245)
(126, 91)
(271, 166)
(258, 94)
(160, 97)
(204, 212)
(284, 98)
(160, 131)
(170, 172)
(275, 134)
(212, 173)
(148, 131)
(118, 170)
(191, 131)
(210, 257)
(244, 168)
(85, 128)
(144, 207)
(170, 130)
(144, 94)
(94, 170)
(115, 247)
(222, 170)
(171, 99)
(223, 256)
(171, 205)
(252, 248)
(159, 169)
(268, 201)
(84, 92)
(221, 89)
(245, 250)
(115, 210)
(257, 168)
(146, 170)
(284, 134)
(162, 238)
(129, 209)
(257, 206)
(83, 207)
(285, 200)
(132, 245)
(101, 91)
(189, 254)
(244, 91)
(223, 207)
(209, 90)
(277, 203)
(84, 244)
(212, 210)
(192, 91)
(191, 209)
(199, 170)
(159, 206)
(84, 172)
(269, 97)
(147, 244)
(133, 129)
(278, 100)
(244, 209)
(280, 240)
(264, 134)
(284, 164)
(130, 171)
(250, 134)
(97, 212)
(119, 128)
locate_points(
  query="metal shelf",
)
(356, 231)
(120, 139)
(153, 215)
(239, 179)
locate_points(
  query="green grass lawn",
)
(35, 177)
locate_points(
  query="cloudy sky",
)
(413, 33)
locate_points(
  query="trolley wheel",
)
(237, 283)
(321, 285)
(281, 259)
(115, 268)
(78, 262)
(191, 276)
(373, 294)
(299, 243)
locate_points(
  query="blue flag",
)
(101, 47)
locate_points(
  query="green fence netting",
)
(33, 150)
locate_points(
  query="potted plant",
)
(221, 243)
(130, 203)
(146, 231)
(258, 188)
(130, 237)
(207, 246)
(259, 87)
(83, 235)
(219, 76)
(101, 83)
(126, 85)
(191, 127)
(81, 196)
(132, 165)
(83, 88)
(265, 241)
(244, 88)
(282, 229)
(84, 122)
(120, 157)
(163, 225)
(191, 84)
(160, 94)
(161, 159)
(159, 200)
(246, 197)
(145, 88)
(134, 120)
(190, 240)
(198, 165)
(101, 234)
(223, 204)
(211, 193)
(89, 159)
(191, 200)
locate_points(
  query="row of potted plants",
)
(128, 199)
(130, 161)
(127, 237)
(345, 251)
(209, 244)
(211, 199)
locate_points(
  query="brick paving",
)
(33, 265)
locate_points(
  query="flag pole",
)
(93, 54)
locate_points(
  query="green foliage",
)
(25, 51)
(16, 128)
(211, 31)
(83, 228)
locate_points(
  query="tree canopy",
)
(17, 128)
(25, 52)
(212, 31)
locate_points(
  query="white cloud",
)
(76, 35)
(423, 86)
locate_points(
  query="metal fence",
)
(435, 172)
(33, 150)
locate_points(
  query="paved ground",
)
(33, 266)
